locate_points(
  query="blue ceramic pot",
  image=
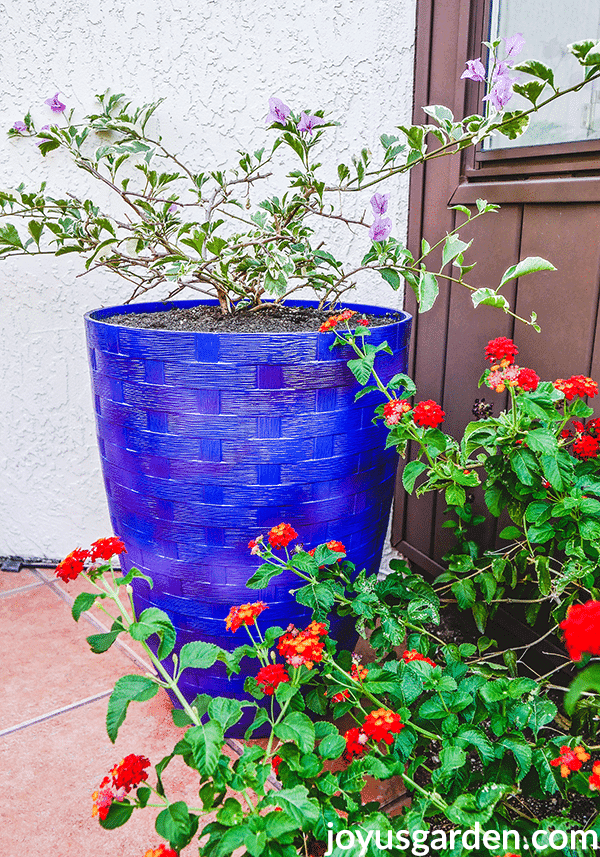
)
(209, 439)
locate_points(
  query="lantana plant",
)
(201, 228)
(468, 746)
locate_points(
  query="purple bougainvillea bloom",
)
(380, 229)
(475, 70)
(501, 92)
(379, 203)
(278, 111)
(55, 105)
(20, 126)
(308, 122)
(514, 45)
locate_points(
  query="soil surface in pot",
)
(267, 319)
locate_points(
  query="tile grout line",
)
(19, 589)
(55, 713)
(52, 584)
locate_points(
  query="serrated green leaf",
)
(198, 655)
(410, 473)
(129, 688)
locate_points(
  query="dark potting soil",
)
(267, 319)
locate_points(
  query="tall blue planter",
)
(209, 439)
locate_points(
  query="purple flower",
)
(278, 111)
(475, 70)
(514, 45)
(55, 105)
(379, 203)
(20, 127)
(308, 122)
(501, 92)
(172, 209)
(380, 229)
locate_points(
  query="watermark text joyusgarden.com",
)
(421, 843)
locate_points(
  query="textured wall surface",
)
(217, 63)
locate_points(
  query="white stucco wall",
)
(216, 62)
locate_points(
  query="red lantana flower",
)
(528, 380)
(103, 797)
(275, 763)
(428, 413)
(355, 743)
(301, 648)
(594, 778)
(341, 696)
(570, 759)
(394, 411)
(129, 772)
(106, 548)
(333, 320)
(586, 446)
(271, 676)
(358, 673)
(381, 724)
(582, 629)
(502, 349)
(576, 385)
(245, 614)
(413, 655)
(281, 535)
(162, 851)
(72, 565)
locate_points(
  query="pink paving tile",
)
(48, 772)
(11, 580)
(48, 663)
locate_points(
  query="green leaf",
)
(100, 643)
(537, 69)
(542, 711)
(464, 590)
(541, 440)
(489, 298)
(453, 246)
(510, 533)
(118, 814)
(410, 474)
(295, 801)
(225, 711)
(155, 621)
(332, 746)
(231, 812)
(83, 602)
(299, 728)
(206, 741)
(588, 680)
(129, 688)
(198, 655)
(427, 291)
(452, 758)
(530, 265)
(479, 740)
(263, 574)
(176, 825)
(521, 750)
(390, 276)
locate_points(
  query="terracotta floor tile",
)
(16, 580)
(47, 662)
(48, 773)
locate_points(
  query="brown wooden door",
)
(550, 207)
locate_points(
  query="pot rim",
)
(98, 315)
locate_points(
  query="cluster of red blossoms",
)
(380, 725)
(102, 549)
(334, 320)
(413, 655)
(587, 441)
(162, 851)
(125, 775)
(245, 614)
(505, 372)
(303, 648)
(281, 535)
(582, 629)
(270, 677)
(394, 410)
(576, 385)
(571, 759)
(427, 413)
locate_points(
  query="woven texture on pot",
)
(209, 439)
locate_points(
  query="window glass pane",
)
(548, 26)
